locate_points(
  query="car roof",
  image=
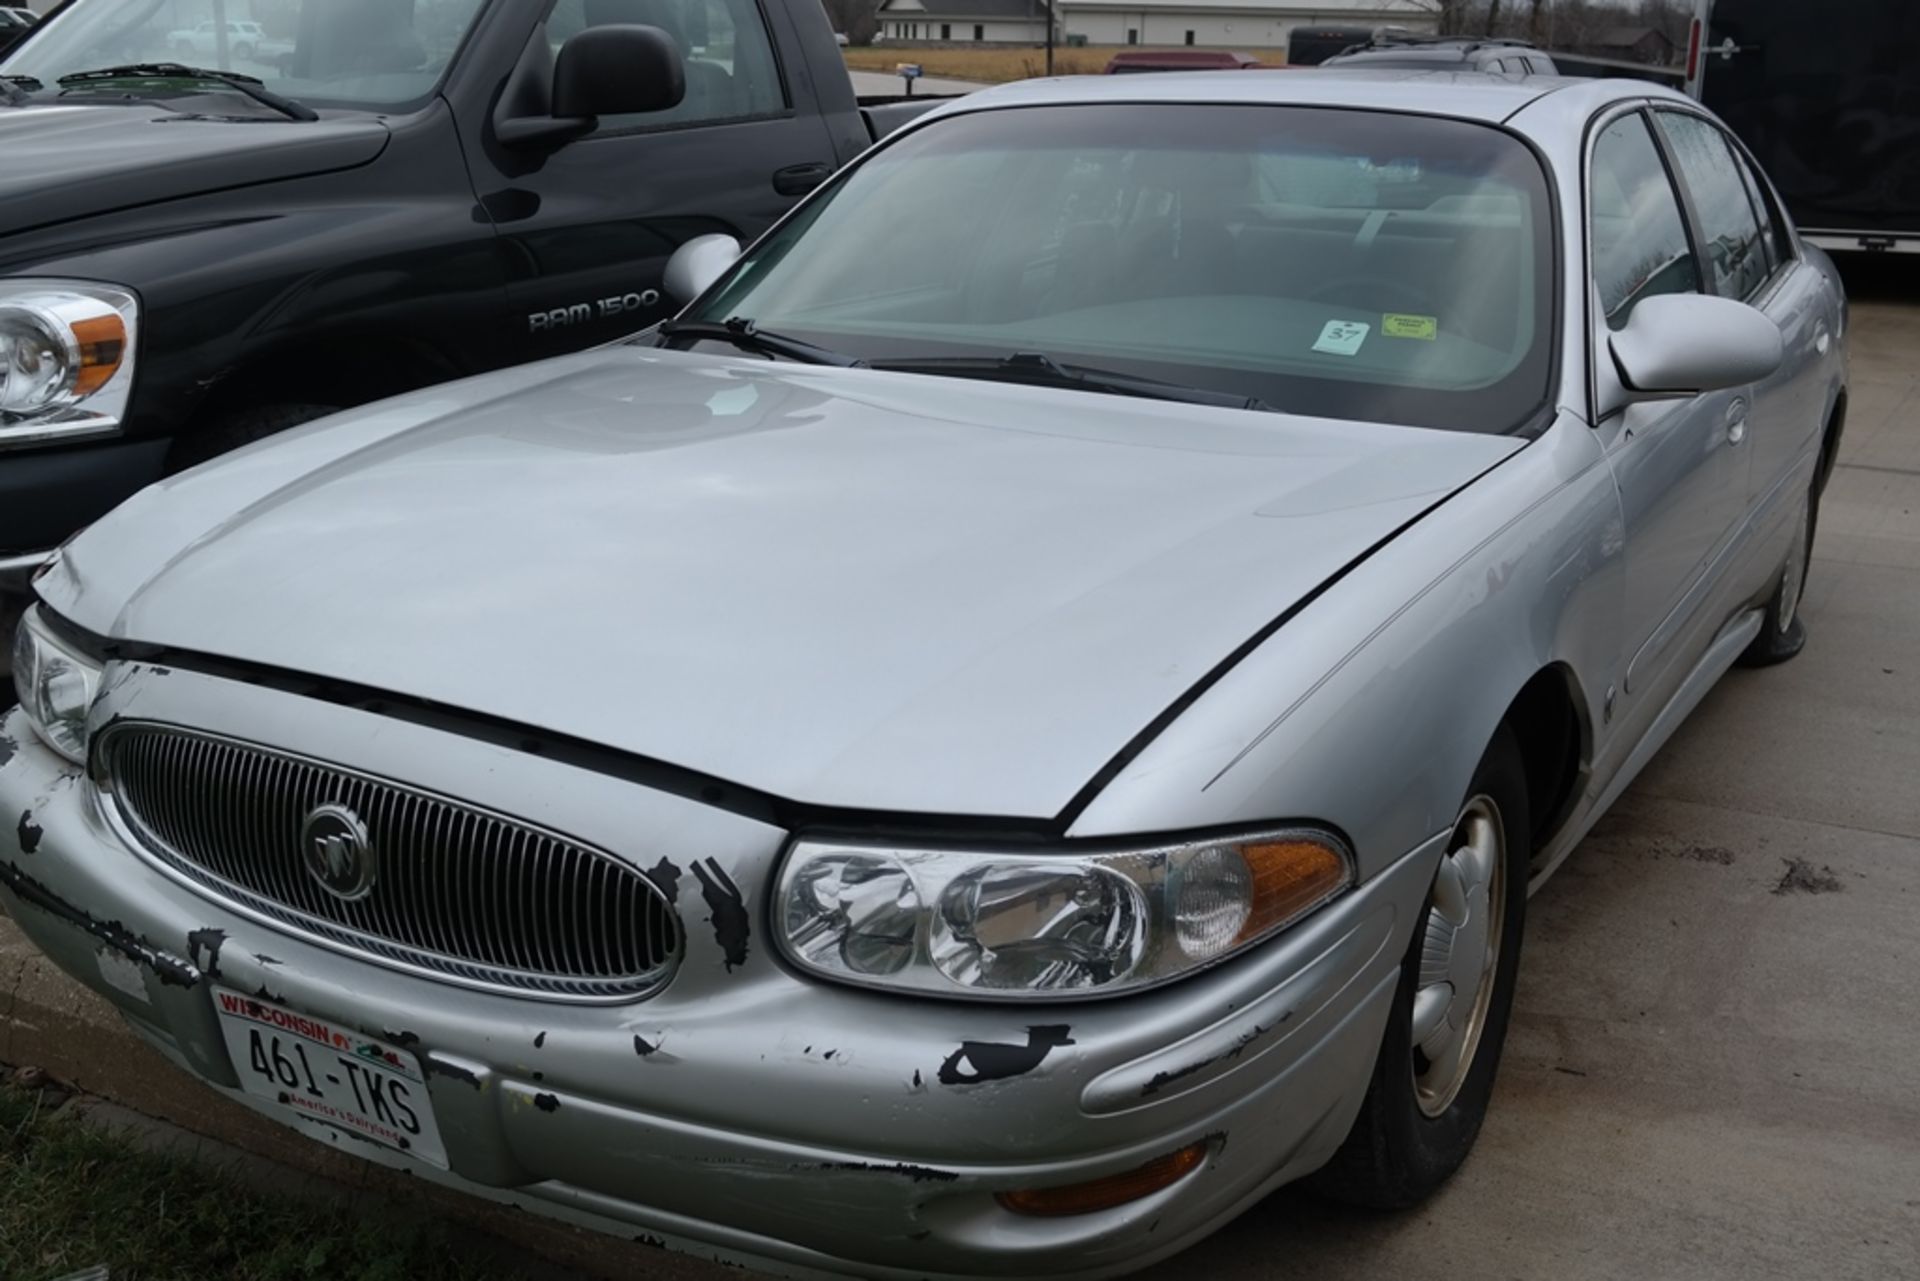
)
(1466, 95)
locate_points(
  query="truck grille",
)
(456, 892)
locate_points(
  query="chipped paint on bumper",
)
(744, 1110)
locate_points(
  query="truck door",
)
(588, 226)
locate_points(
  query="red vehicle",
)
(1180, 60)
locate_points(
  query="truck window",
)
(731, 73)
(1736, 255)
(1640, 246)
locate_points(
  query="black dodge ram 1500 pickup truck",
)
(212, 229)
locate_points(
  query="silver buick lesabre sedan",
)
(1021, 722)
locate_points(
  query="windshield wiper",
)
(1043, 370)
(747, 336)
(14, 89)
(251, 86)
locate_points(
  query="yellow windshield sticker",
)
(1424, 327)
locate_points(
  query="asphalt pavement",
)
(1714, 1064)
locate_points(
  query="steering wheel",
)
(1382, 293)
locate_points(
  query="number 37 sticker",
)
(1343, 337)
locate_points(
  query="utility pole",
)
(1049, 37)
(223, 55)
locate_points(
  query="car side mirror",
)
(617, 70)
(1684, 344)
(697, 264)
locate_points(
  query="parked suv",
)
(1406, 51)
(195, 253)
(247, 41)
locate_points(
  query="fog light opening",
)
(1104, 1194)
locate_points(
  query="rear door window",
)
(1640, 243)
(1736, 251)
(1773, 224)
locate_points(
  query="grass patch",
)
(72, 1197)
(999, 64)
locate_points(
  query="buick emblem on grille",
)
(338, 852)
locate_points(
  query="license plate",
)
(326, 1073)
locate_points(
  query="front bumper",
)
(777, 1121)
(47, 493)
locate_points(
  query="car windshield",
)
(346, 53)
(1348, 264)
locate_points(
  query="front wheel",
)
(1434, 1076)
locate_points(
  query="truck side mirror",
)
(617, 70)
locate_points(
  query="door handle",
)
(798, 180)
(1737, 421)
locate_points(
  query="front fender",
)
(397, 249)
(1371, 709)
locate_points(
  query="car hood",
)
(845, 588)
(64, 161)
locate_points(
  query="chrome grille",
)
(459, 893)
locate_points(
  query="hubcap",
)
(1795, 577)
(1458, 956)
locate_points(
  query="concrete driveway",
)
(1714, 1066)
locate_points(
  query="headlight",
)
(56, 684)
(66, 358)
(983, 924)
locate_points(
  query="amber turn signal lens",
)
(103, 345)
(1289, 878)
(1104, 1194)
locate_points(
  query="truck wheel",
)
(1782, 634)
(227, 434)
(1435, 1072)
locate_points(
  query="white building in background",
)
(1248, 24)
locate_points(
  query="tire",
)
(1420, 1117)
(1782, 634)
(243, 428)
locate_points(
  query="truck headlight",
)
(56, 684)
(1018, 924)
(67, 352)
